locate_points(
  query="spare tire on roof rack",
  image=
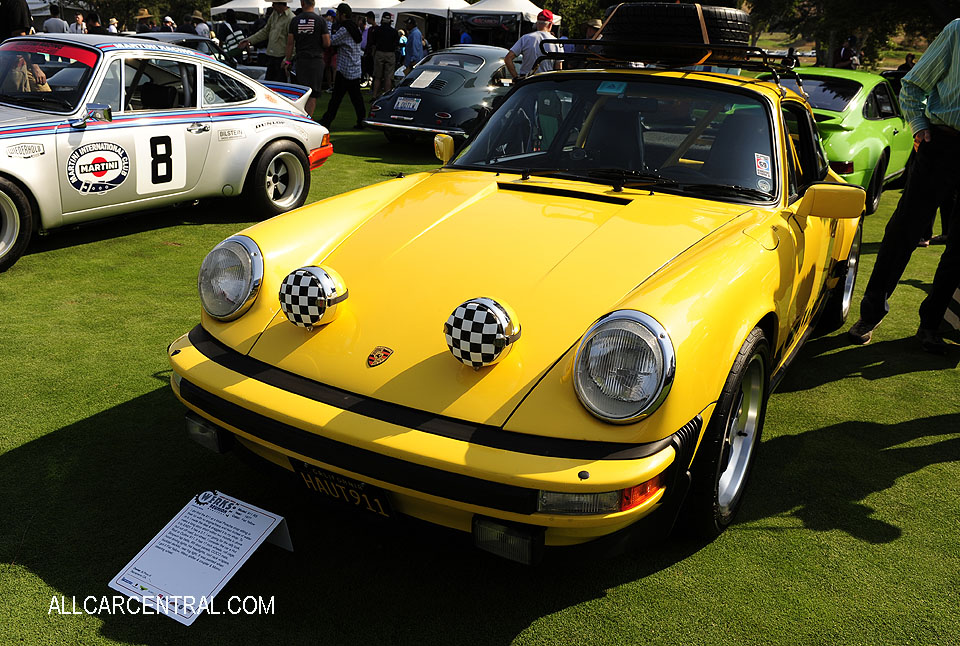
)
(648, 26)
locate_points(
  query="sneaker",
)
(932, 341)
(941, 239)
(923, 243)
(861, 332)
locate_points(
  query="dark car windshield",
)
(826, 93)
(64, 69)
(467, 62)
(632, 132)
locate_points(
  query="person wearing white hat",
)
(168, 24)
(275, 33)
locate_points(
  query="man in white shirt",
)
(78, 27)
(55, 24)
(529, 47)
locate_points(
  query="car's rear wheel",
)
(280, 179)
(840, 300)
(16, 223)
(722, 465)
(875, 189)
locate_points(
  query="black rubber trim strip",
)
(445, 484)
(563, 192)
(480, 434)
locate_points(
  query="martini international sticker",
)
(97, 167)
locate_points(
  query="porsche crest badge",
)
(380, 354)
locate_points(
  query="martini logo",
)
(98, 167)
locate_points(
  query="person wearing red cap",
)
(529, 47)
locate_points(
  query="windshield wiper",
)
(727, 189)
(41, 97)
(621, 178)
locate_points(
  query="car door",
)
(896, 131)
(152, 152)
(811, 238)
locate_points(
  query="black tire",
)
(875, 189)
(722, 465)
(839, 301)
(649, 24)
(16, 223)
(279, 179)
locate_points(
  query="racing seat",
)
(615, 139)
(157, 97)
(732, 158)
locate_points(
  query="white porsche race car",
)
(95, 126)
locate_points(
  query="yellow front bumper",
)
(431, 472)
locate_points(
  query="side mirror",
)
(95, 112)
(443, 147)
(834, 201)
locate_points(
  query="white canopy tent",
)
(525, 8)
(255, 7)
(440, 8)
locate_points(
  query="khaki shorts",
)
(384, 65)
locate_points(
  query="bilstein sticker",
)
(25, 151)
(97, 167)
(231, 133)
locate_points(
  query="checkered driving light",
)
(309, 296)
(480, 332)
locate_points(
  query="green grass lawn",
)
(850, 533)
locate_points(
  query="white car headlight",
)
(624, 367)
(230, 278)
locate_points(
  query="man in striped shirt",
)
(930, 99)
(346, 38)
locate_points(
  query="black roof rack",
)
(619, 53)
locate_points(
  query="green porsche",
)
(864, 133)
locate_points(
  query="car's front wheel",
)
(280, 178)
(722, 464)
(839, 301)
(16, 223)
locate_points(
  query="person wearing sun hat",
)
(529, 47)
(112, 26)
(275, 33)
(200, 25)
(143, 20)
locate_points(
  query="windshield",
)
(44, 75)
(669, 136)
(825, 93)
(466, 62)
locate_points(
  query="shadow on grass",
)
(372, 145)
(83, 500)
(215, 211)
(819, 363)
(821, 477)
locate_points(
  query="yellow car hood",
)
(560, 253)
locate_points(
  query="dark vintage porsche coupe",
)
(449, 92)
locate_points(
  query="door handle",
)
(197, 128)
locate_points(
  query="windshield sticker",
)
(25, 151)
(763, 165)
(615, 88)
(79, 54)
(97, 167)
(425, 79)
(764, 185)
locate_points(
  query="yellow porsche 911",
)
(568, 332)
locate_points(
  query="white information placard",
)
(182, 568)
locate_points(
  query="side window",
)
(807, 152)
(220, 88)
(109, 92)
(792, 159)
(870, 110)
(159, 84)
(885, 103)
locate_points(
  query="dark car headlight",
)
(230, 278)
(624, 367)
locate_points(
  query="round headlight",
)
(624, 367)
(230, 278)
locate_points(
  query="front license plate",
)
(407, 103)
(348, 491)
